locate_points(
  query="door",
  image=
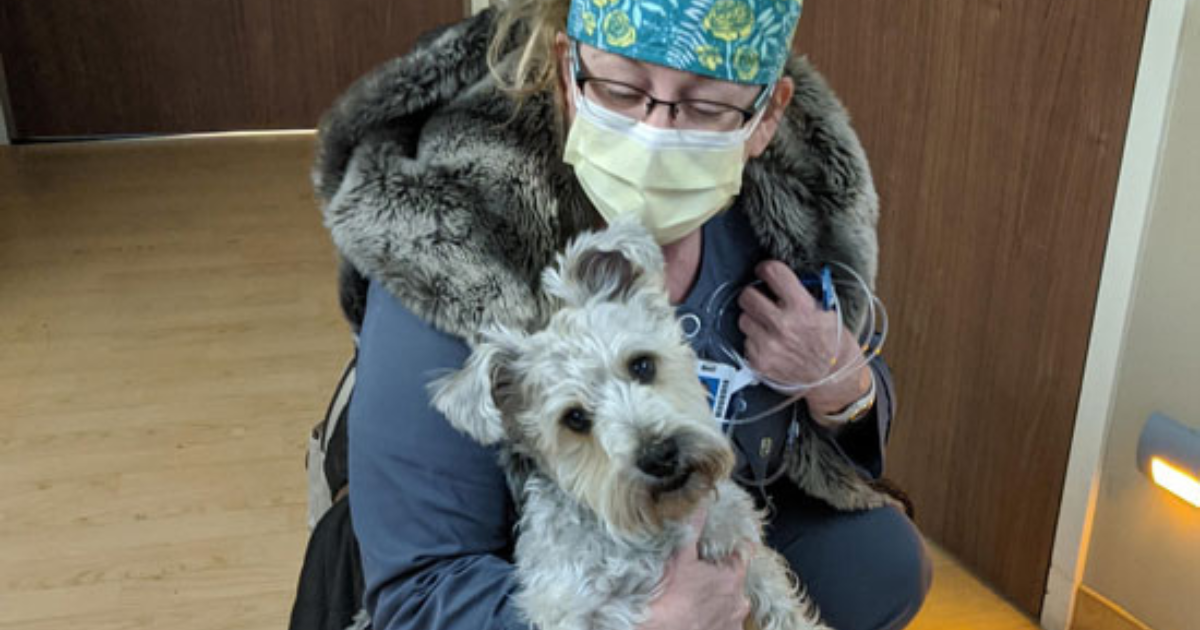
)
(995, 130)
(78, 68)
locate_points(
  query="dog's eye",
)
(642, 368)
(577, 420)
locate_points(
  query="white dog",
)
(610, 446)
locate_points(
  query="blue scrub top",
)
(431, 507)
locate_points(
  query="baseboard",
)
(1095, 612)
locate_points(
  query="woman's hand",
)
(697, 594)
(791, 340)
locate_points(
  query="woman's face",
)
(671, 85)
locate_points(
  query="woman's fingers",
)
(785, 285)
(751, 327)
(757, 305)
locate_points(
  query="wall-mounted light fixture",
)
(1169, 453)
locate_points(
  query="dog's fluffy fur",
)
(437, 187)
(604, 407)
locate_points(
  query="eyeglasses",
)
(634, 102)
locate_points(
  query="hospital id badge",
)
(717, 378)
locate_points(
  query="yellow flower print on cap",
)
(710, 56)
(618, 31)
(730, 20)
(744, 41)
(745, 62)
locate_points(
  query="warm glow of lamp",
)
(1175, 481)
(1168, 452)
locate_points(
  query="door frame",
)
(1144, 142)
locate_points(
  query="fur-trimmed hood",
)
(433, 183)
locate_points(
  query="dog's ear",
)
(476, 398)
(607, 265)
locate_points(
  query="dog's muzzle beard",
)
(666, 482)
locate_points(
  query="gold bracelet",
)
(853, 411)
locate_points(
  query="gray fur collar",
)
(433, 184)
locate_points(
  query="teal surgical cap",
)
(747, 41)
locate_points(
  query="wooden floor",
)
(168, 335)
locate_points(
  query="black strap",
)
(330, 590)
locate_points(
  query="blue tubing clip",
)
(822, 282)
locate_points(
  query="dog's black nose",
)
(660, 460)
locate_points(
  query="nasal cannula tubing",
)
(874, 325)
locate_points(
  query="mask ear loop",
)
(761, 104)
(581, 101)
(763, 97)
(576, 71)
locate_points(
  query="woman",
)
(448, 185)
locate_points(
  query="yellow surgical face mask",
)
(673, 180)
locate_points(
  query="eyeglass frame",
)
(580, 79)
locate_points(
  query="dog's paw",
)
(721, 552)
(733, 525)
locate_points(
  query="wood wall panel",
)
(995, 130)
(159, 66)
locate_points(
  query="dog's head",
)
(605, 398)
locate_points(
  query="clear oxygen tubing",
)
(762, 483)
(870, 331)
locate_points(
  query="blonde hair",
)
(530, 27)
